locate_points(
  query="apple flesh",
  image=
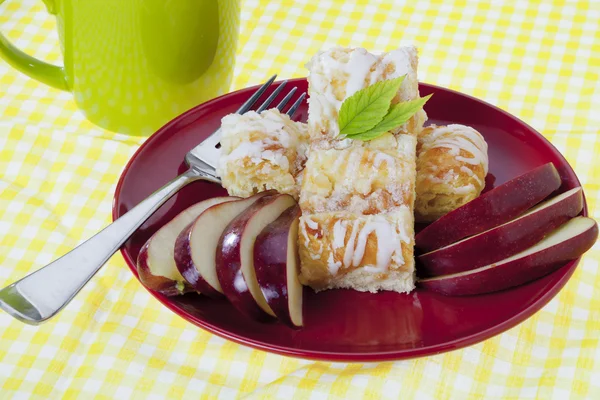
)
(566, 243)
(235, 255)
(276, 265)
(491, 209)
(155, 263)
(505, 240)
(196, 246)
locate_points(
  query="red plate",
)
(345, 325)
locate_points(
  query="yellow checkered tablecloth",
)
(539, 60)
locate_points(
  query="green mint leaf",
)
(367, 107)
(397, 115)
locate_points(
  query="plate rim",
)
(319, 355)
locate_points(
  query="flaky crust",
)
(357, 198)
(362, 180)
(261, 152)
(362, 252)
(452, 163)
(338, 73)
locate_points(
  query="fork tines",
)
(247, 106)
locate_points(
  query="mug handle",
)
(49, 74)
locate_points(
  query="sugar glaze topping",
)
(456, 138)
(338, 73)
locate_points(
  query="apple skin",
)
(491, 209)
(187, 268)
(271, 263)
(158, 283)
(232, 271)
(183, 246)
(518, 270)
(503, 241)
(165, 237)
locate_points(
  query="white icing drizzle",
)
(406, 226)
(357, 68)
(357, 179)
(389, 241)
(311, 224)
(339, 234)
(400, 59)
(332, 265)
(386, 233)
(256, 152)
(303, 233)
(466, 189)
(353, 162)
(455, 138)
(272, 122)
(386, 245)
(339, 161)
(472, 174)
(348, 254)
(390, 162)
(270, 128)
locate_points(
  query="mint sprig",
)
(397, 115)
(368, 113)
(367, 107)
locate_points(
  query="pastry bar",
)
(338, 73)
(261, 152)
(360, 180)
(452, 164)
(356, 231)
(357, 198)
(362, 252)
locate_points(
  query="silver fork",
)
(43, 293)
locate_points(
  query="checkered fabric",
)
(539, 61)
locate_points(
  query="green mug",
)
(132, 65)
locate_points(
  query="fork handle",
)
(42, 294)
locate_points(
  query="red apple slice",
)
(566, 243)
(505, 240)
(491, 209)
(235, 255)
(156, 265)
(196, 245)
(276, 265)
